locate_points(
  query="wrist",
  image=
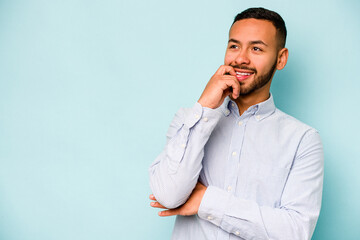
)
(204, 104)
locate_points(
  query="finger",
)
(226, 69)
(230, 86)
(157, 205)
(152, 197)
(170, 212)
(234, 83)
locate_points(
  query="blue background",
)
(88, 88)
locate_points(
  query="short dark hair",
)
(265, 14)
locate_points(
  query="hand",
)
(220, 86)
(191, 206)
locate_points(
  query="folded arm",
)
(175, 172)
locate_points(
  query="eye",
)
(257, 49)
(233, 46)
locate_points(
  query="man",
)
(234, 166)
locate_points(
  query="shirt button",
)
(234, 153)
(197, 116)
(233, 104)
(240, 123)
(237, 233)
(229, 188)
(206, 119)
(210, 218)
(227, 112)
(183, 145)
(258, 117)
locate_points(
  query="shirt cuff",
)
(213, 205)
(198, 112)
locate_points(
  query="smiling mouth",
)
(241, 76)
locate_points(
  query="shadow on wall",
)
(330, 210)
(288, 87)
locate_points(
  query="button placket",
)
(234, 156)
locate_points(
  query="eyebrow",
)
(251, 42)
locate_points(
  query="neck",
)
(245, 101)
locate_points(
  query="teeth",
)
(243, 74)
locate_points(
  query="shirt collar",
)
(260, 110)
(265, 108)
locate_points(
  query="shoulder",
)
(289, 123)
(305, 139)
(292, 130)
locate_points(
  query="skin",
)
(252, 45)
(191, 206)
(253, 48)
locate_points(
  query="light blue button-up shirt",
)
(263, 170)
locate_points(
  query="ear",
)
(282, 58)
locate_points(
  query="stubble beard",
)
(258, 82)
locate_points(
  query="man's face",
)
(253, 52)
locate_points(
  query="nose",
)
(242, 58)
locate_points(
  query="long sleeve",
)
(299, 209)
(174, 173)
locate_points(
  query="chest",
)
(249, 159)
